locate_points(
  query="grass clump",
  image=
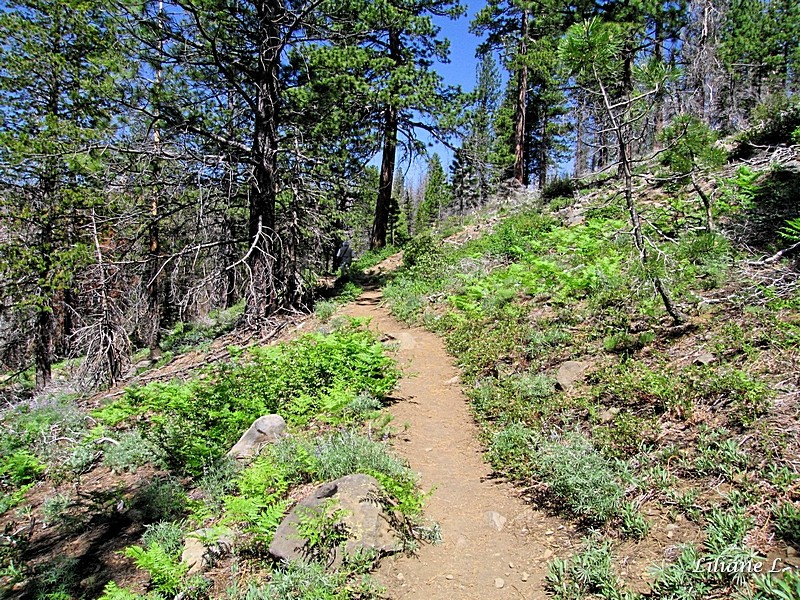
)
(580, 477)
(311, 581)
(571, 472)
(588, 574)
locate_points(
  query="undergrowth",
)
(649, 426)
(316, 377)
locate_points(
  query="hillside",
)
(650, 458)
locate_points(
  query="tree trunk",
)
(706, 200)
(521, 108)
(580, 151)
(542, 161)
(43, 346)
(154, 246)
(266, 288)
(390, 124)
(153, 274)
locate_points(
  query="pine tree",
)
(401, 43)
(437, 195)
(474, 175)
(56, 97)
(598, 55)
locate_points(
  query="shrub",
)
(311, 581)
(587, 573)
(512, 450)
(131, 452)
(560, 187)
(163, 499)
(167, 534)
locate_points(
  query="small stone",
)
(499, 582)
(547, 554)
(448, 576)
(400, 577)
(549, 532)
(510, 565)
(791, 552)
(570, 373)
(495, 520)
(452, 381)
(524, 577)
(608, 415)
(706, 358)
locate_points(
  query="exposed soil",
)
(440, 441)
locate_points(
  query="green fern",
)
(166, 571)
(791, 231)
(113, 592)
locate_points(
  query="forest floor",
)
(494, 545)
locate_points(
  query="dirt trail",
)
(475, 560)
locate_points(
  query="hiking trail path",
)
(494, 545)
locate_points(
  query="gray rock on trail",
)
(200, 556)
(495, 520)
(362, 516)
(264, 430)
(570, 373)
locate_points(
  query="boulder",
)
(570, 373)
(264, 430)
(360, 513)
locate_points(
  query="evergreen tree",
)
(437, 195)
(231, 59)
(598, 55)
(58, 65)
(474, 175)
(401, 43)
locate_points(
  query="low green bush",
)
(315, 376)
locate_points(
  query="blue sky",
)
(459, 71)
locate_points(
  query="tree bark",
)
(521, 108)
(43, 346)
(264, 258)
(380, 224)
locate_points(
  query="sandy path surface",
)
(494, 545)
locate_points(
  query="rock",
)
(495, 520)
(264, 430)
(193, 554)
(524, 577)
(499, 582)
(199, 555)
(570, 373)
(608, 415)
(706, 358)
(791, 552)
(361, 515)
(449, 577)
